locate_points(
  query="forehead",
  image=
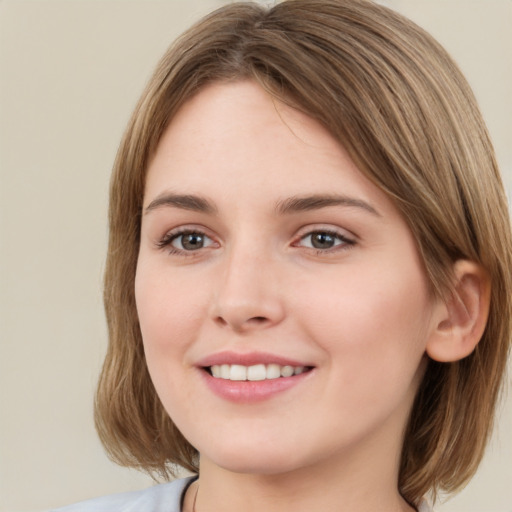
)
(224, 115)
(236, 141)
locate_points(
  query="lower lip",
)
(247, 391)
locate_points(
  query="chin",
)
(262, 466)
(253, 459)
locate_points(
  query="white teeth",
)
(273, 371)
(287, 371)
(224, 371)
(238, 372)
(256, 372)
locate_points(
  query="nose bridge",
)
(247, 294)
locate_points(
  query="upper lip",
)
(248, 359)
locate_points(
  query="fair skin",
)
(263, 244)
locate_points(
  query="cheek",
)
(169, 317)
(372, 322)
(169, 309)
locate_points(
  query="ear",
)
(460, 320)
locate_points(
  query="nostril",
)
(221, 321)
(258, 319)
(242, 324)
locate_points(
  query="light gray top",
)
(160, 498)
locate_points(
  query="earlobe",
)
(460, 320)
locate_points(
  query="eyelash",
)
(168, 239)
(345, 242)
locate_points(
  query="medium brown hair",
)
(399, 105)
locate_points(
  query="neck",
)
(327, 487)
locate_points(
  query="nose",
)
(249, 293)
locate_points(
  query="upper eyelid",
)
(334, 230)
(187, 228)
(342, 238)
(174, 233)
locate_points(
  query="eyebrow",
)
(295, 204)
(183, 201)
(315, 202)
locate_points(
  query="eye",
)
(186, 241)
(190, 241)
(324, 240)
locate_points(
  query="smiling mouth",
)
(257, 372)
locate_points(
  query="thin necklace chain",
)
(195, 498)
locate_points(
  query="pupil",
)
(192, 241)
(322, 241)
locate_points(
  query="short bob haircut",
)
(390, 94)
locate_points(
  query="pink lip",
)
(248, 359)
(250, 391)
(245, 392)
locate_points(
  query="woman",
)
(308, 284)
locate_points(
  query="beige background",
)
(70, 73)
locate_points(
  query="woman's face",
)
(265, 252)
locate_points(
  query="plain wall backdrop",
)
(70, 74)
